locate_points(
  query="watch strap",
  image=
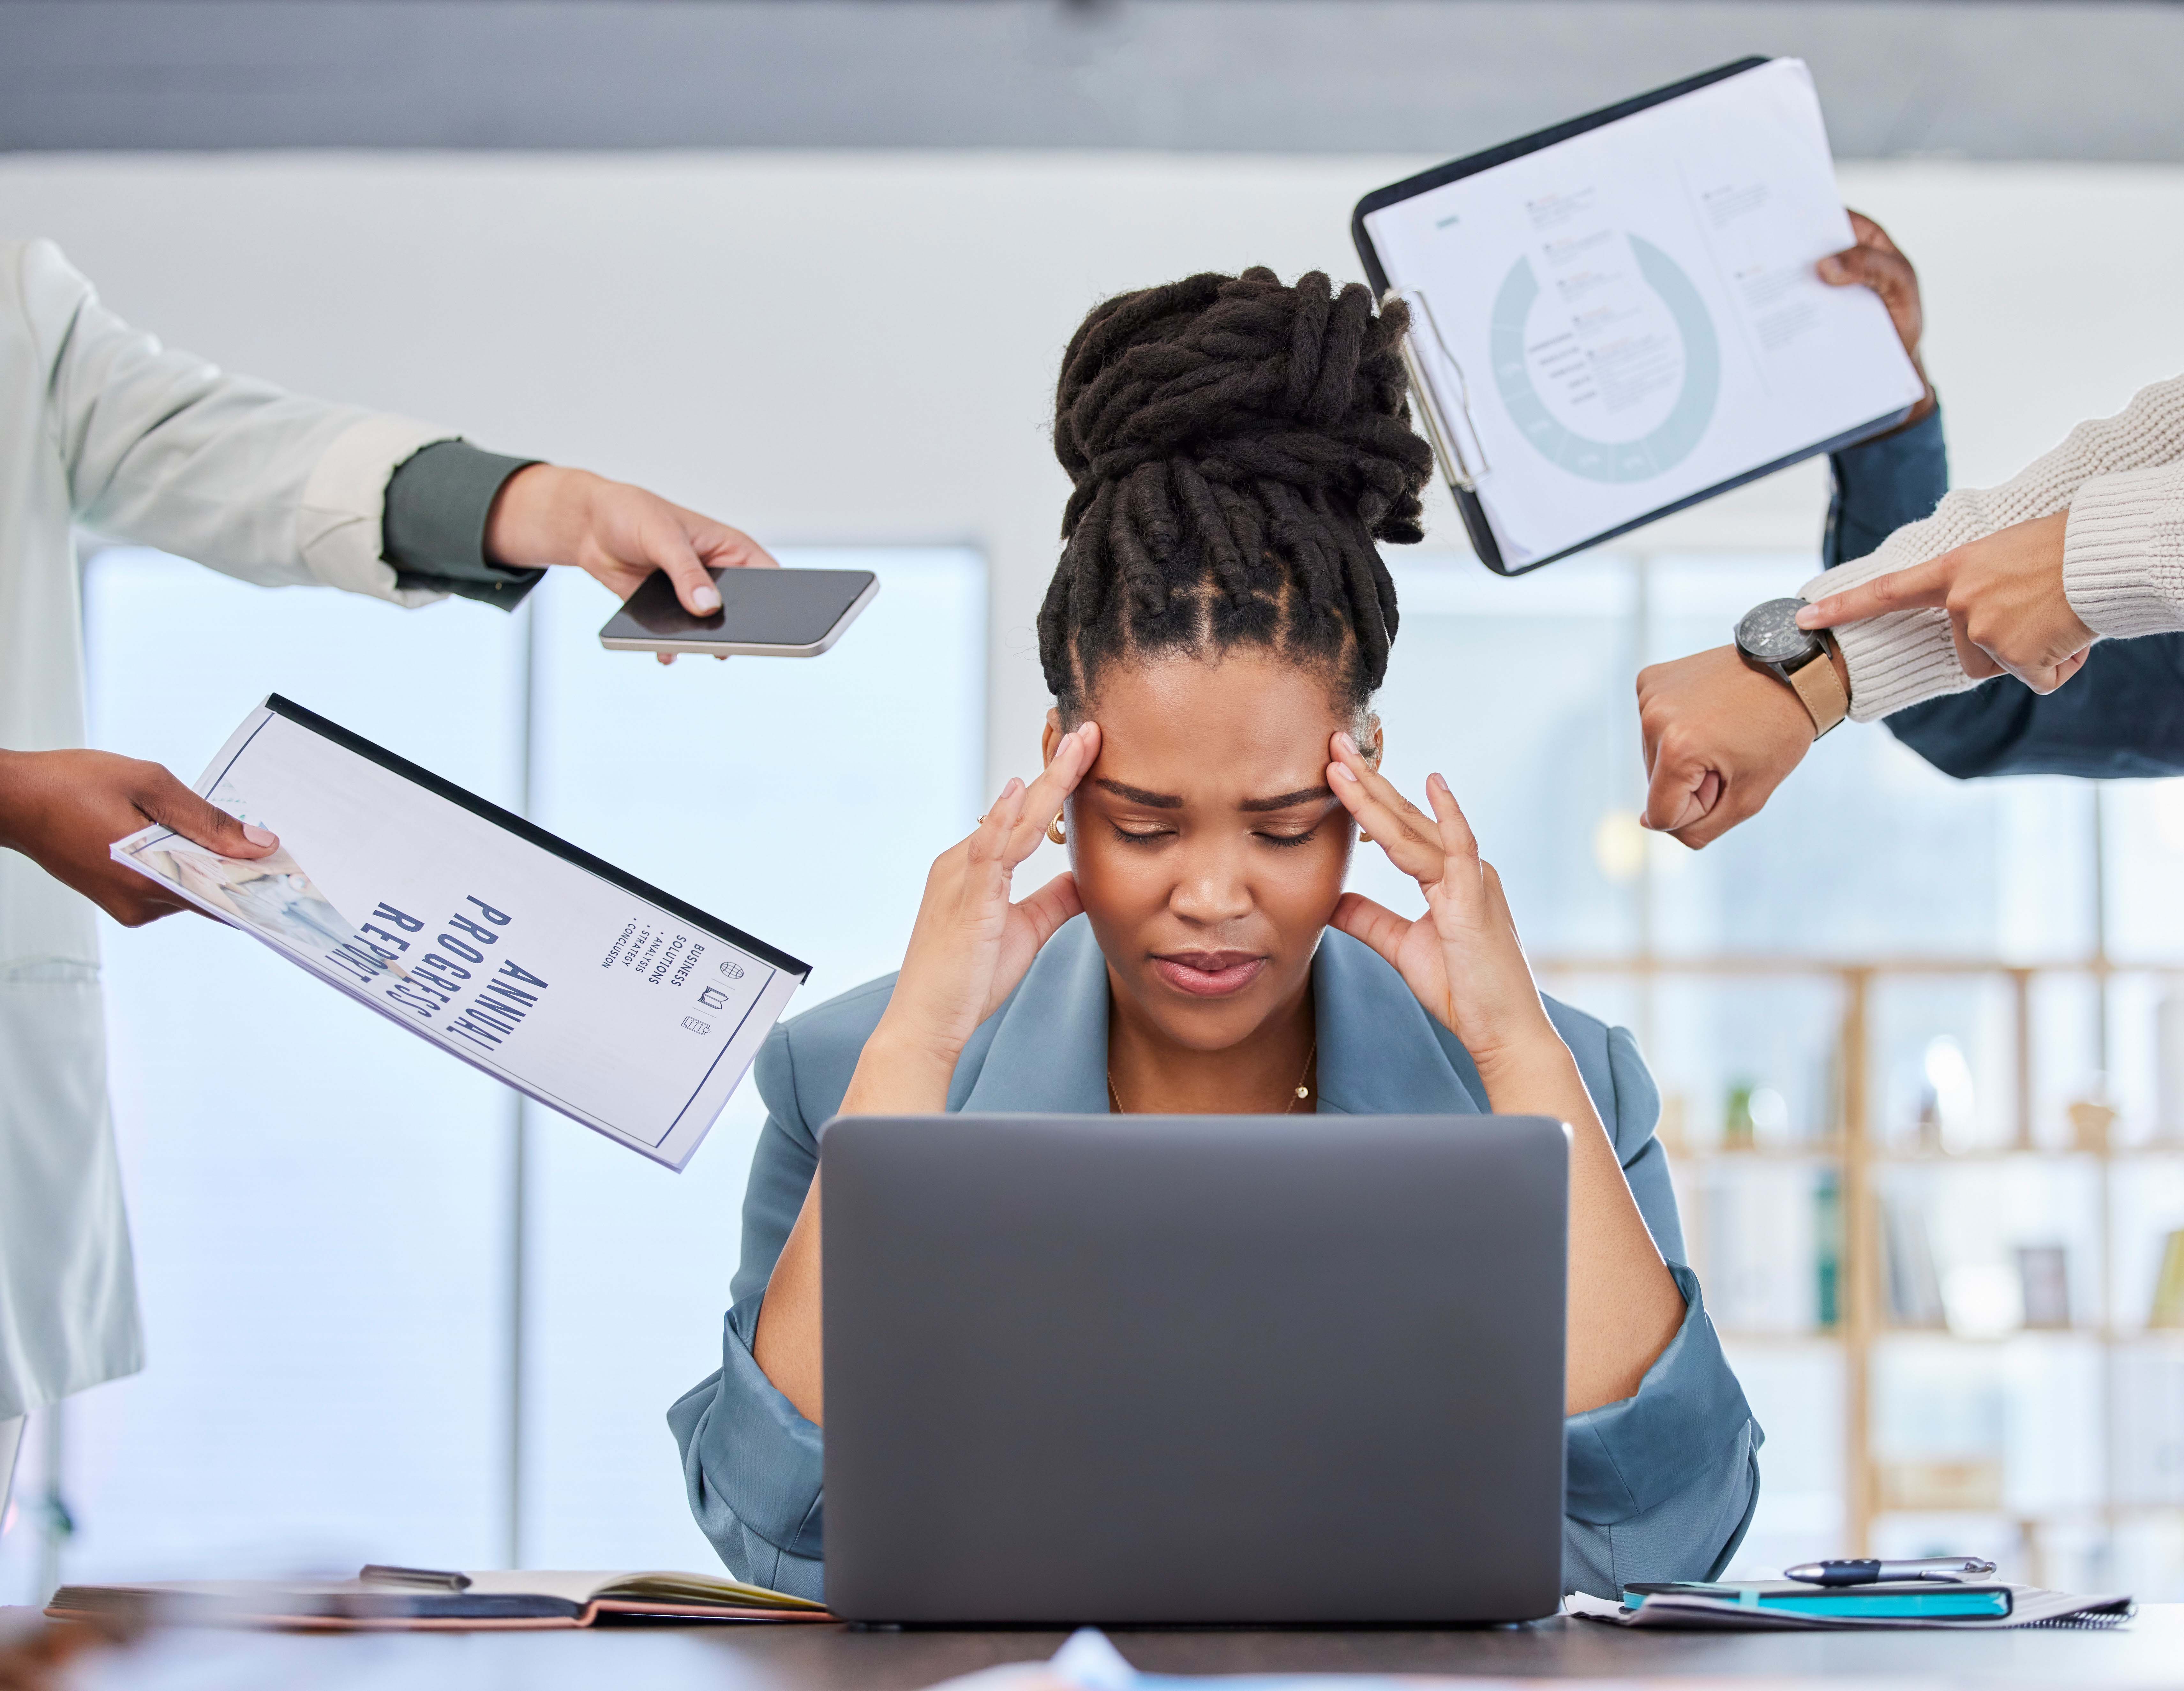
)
(1825, 699)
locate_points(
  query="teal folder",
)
(1903, 1600)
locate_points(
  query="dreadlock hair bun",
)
(1236, 447)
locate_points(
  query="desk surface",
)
(2148, 1652)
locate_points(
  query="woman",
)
(1213, 636)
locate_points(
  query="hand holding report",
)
(575, 984)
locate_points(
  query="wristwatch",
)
(1768, 638)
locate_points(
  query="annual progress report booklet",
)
(574, 983)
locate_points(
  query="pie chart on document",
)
(1610, 370)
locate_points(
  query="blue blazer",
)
(1660, 1486)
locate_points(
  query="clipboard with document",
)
(1618, 317)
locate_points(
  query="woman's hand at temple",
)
(1462, 958)
(971, 945)
(968, 949)
(1463, 961)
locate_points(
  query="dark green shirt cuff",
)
(432, 527)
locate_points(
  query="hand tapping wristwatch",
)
(1768, 639)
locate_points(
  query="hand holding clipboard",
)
(1621, 317)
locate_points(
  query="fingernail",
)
(1344, 743)
(1014, 787)
(1831, 268)
(706, 598)
(1341, 772)
(259, 836)
(1435, 779)
(1809, 617)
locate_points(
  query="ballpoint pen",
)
(1873, 1572)
(437, 1579)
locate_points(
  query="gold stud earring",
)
(1054, 830)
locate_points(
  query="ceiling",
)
(1955, 78)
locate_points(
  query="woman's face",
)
(1208, 850)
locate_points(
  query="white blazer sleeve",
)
(165, 449)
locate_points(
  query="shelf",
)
(1832, 1151)
(1835, 1193)
(2010, 1153)
(1778, 1336)
(2054, 1512)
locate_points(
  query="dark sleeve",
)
(1882, 485)
(432, 529)
(2122, 716)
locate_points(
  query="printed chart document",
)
(579, 985)
(1621, 317)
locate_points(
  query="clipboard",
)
(1502, 400)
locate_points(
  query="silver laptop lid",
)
(1182, 1369)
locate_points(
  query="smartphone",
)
(764, 613)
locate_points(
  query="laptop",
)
(1194, 1370)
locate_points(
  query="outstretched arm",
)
(1719, 737)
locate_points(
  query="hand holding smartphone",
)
(764, 613)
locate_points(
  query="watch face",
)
(1770, 633)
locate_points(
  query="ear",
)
(1375, 741)
(1052, 736)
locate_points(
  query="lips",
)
(1209, 974)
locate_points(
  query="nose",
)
(1212, 887)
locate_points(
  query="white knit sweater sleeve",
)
(2122, 480)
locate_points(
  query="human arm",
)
(2097, 550)
(64, 809)
(1463, 961)
(1719, 736)
(968, 948)
(1660, 1485)
(753, 1466)
(166, 449)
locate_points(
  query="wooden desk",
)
(2147, 1653)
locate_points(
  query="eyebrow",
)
(1138, 795)
(1303, 795)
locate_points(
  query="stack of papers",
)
(1748, 1608)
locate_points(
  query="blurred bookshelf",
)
(1937, 1206)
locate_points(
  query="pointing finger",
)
(1922, 586)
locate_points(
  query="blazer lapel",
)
(1050, 1052)
(1380, 1052)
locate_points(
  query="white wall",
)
(837, 347)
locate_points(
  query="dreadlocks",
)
(1236, 448)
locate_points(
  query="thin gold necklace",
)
(1303, 1092)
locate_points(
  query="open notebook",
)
(521, 1599)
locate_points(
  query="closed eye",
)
(1283, 841)
(1141, 837)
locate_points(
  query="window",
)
(327, 1243)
